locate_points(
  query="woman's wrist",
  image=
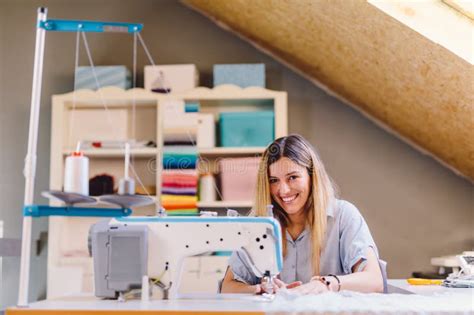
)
(335, 283)
(332, 282)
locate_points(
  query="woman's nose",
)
(284, 188)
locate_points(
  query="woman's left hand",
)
(313, 287)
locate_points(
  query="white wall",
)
(415, 207)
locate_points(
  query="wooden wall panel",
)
(408, 84)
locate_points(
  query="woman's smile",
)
(289, 199)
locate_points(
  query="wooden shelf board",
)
(231, 151)
(225, 204)
(137, 152)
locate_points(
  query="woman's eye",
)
(293, 177)
(273, 180)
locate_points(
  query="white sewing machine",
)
(126, 249)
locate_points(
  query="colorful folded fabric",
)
(183, 212)
(172, 198)
(180, 149)
(170, 202)
(179, 162)
(176, 183)
(179, 134)
(192, 191)
(180, 172)
(179, 182)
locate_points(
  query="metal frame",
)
(29, 171)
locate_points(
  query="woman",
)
(327, 246)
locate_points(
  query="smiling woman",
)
(327, 245)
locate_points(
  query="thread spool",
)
(207, 191)
(76, 174)
(126, 184)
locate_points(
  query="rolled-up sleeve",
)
(241, 271)
(355, 238)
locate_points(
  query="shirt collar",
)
(300, 237)
(330, 208)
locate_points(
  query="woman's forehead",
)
(283, 167)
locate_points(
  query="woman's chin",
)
(291, 209)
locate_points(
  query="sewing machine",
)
(126, 249)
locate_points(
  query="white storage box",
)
(206, 133)
(172, 78)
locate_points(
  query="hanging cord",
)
(104, 103)
(134, 85)
(161, 80)
(94, 74)
(76, 65)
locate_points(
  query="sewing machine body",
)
(124, 249)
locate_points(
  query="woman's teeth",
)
(289, 199)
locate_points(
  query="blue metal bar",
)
(46, 211)
(89, 26)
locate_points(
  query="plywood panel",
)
(408, 84)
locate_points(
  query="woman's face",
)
(289, 186)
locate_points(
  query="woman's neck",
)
(296, 226)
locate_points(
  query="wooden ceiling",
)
(408, 84)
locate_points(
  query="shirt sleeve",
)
(355, 238)
(241, 271)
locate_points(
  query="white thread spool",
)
(126, 184)
(76, 174)
(207, 191)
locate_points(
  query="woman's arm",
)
(229, 285)
(368, 280)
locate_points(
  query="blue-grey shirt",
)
(347, 240)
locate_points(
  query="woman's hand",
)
(277, 285)
(313, 287)
(282, 285)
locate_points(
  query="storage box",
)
(242, 75)
(246, 129)
(206, 133)
(171, 78)
(238, 178)
(106, 75)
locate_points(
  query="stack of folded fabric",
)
(179, 180)
(180, 123)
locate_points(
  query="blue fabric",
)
(347, 240)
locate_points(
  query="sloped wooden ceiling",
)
(408, 84)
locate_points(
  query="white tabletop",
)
(425, 300)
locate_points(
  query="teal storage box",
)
(106, 75)
(246, 129)
(243, 75)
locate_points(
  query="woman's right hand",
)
(277, 285)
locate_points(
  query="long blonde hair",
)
(322, 193)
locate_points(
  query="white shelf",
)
(219, 151)
(225, 204)
(151, 152)
(137, 152)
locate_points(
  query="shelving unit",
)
(68, 256)
(230, 98)
(80, 115)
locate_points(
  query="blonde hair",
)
(322, 193)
